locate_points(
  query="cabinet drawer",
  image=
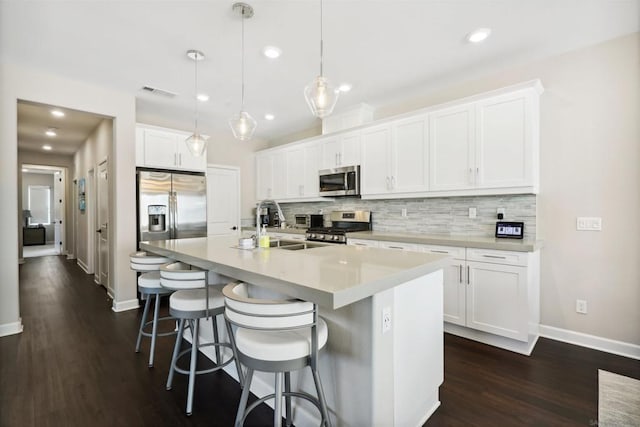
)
(398, 246)
(362, 242)
(497, 257)
(454, 251)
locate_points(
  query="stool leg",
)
(192, 369)
(244, 397)
(323, 401)
(216, 338)
(145, 313)
(277, 407)
(154, 332)
(232, 339)
(176, 351)
(287, 398)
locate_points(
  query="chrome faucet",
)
(259, 206)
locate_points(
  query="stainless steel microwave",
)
(343, 181)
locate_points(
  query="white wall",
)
(94, 151)
(21, 83)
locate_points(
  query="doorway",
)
(102, 229)
(43, 190)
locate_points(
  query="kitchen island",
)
(375, 373)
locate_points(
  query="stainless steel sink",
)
(296, 245)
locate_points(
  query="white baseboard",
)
(620, 348)
(119, 306)
(11, 328)
(83, 266)
(70, 256)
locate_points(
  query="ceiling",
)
(71, 130)
(387, 49)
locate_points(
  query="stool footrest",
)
(203, 371)
(162, 334)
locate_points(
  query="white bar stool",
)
(194, 299)
(149, 286)
(278, 336)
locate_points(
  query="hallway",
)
(74, 365)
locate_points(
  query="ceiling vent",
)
(159, 92)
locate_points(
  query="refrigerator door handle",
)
(171, 220)
(175, 215)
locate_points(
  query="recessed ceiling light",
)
(202, 97)
(478, 35)
(345, 87)
(57, 113)
(51, 132)
(269, 116)
(272, 52)
(46, 147)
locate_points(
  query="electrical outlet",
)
(404, 212)
(581, 306)
(386, 320)
(472, 212)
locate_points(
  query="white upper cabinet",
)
(504, 140)
(375, 170)
(166, 149)
(451, 148)
(289, 173)
(302, 171)
(394, 158)
(481, 145)
(409, 155)
(340, 150)
(490, 146)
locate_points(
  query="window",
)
(40, 204)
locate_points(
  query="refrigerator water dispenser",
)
(157, 217)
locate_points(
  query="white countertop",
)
(480, 242)
(332, 276)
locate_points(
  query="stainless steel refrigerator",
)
(171, 205)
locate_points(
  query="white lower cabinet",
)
(492, 291)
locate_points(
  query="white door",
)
(311, 182)
(451, 149)
(279, 189)
(375, 177)
(223, 201)
(409, 154)
(103, 230)
(295, 172)
(59, 179)
(504, 141)
(350, 149)
(497, 299)
(331, 149)
(264, 176)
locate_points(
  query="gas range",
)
(342, 222)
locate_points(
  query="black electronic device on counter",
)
(510, 229)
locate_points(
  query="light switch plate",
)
(585, 223)
(472, 212)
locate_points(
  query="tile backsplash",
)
(443, 215)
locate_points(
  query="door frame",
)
(103, 192)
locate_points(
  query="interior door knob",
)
(99, 231)
(234, 228)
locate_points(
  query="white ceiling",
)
(71, 130)
(388, 49)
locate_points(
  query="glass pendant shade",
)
(196, 144)
(242, 126)
(321, 96)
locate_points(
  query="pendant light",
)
(242, 124)
(320, 94)
(196, 143)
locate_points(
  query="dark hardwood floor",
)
(74, 365)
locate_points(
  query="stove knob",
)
(311, 236)
(335, 237)
(321, 236)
